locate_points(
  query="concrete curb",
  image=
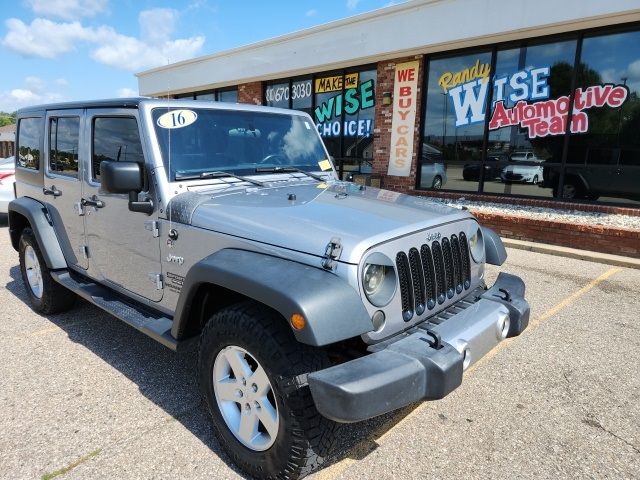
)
(606, 258)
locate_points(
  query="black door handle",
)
(92, 202)
(51, 191)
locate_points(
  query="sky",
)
(59, 50)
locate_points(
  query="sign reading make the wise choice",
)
(405, 94)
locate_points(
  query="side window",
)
(29, 134)
(63, 145)
(117, 139)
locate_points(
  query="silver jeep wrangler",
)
(315, 301)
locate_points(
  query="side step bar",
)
(154, 324)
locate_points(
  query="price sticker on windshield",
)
(177, 118)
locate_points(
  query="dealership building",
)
(491, 99)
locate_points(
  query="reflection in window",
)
(302, 95)
(63, 146)
(116, 139)
(238, 141)
(229, 96)
(210, 97)
(30, 131)
(609, 96)
(532, 77)
(454, 120)
(344, 115)
(277, 95)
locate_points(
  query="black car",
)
(471, 171)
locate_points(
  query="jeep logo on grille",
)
(433, 236)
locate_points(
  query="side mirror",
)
(125, 177)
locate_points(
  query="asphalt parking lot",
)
(82, 395)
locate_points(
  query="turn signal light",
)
(297, 321)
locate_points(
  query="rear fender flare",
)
(36, 214)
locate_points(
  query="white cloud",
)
(44, 38)
(352, 4)
(67, 9)
(311, 13)
(62, 82)
(157, 25)
(47, 39)
(125, 92)
(32, 92)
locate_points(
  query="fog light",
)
(378, 320)
(297, 321)
(466, 357)
(503, 325)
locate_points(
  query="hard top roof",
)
(135, 102)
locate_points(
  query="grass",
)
(71, 466)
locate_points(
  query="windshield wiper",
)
(205, 175)
(288, 170)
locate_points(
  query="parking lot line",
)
(378, 436)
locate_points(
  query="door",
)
(62, 182)
(123, 248)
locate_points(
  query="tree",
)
(7, 118)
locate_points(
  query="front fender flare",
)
(495, 252)
(42, 226)
(332, 308)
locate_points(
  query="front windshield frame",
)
(185, 151)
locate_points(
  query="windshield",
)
(201, 140)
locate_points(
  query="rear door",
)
(124, 248)
(62, 181)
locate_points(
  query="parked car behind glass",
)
(522, 173)
(492, 169)
(433, 173)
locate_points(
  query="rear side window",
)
(63, 146)
(30, 131)
(117, 139)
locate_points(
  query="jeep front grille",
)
(430, 275)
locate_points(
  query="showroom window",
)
(531, 90)
(290, 93)
(554, 129)
(219, 95)
(454, 126)
(344, 115)
(342, 105)
(603, 162)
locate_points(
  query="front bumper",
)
(425, 363)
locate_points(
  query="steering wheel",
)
(276, 158)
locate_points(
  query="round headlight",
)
(476, 245)
(379, 279)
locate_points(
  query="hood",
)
(306, 216)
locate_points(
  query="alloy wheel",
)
(245, 398)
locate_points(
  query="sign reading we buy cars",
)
(405, 94)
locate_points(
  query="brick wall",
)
(382, 130)
(250, 93)
(597, 238)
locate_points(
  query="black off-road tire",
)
(55, 298)
(305, 438)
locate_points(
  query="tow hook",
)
(436, 341)
(507, 295)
